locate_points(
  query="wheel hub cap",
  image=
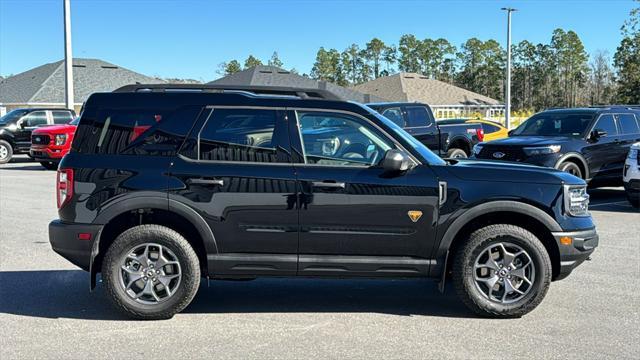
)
(504, 272)
(150, 273)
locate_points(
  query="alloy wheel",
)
(150, 273)
(4, 152)
(504, 272)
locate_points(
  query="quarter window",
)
(608, 124)
(341, 140)
(628, 124)
(239, 135)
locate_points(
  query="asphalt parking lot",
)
(47, 311)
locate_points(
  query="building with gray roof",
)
(44, 85)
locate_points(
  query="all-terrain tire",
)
(463, 271)
(156, 234)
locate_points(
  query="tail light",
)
(64, 186)
(480, 134)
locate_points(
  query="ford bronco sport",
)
(167, 184)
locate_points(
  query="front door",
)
(602, 153)
(356, 219)
(27, 124)
(235, 171)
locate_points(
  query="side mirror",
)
(22, 124)
(395, 161)
(597, 134)
(510, 133)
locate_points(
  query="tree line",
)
(559, 73)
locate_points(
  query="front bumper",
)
(47, 153)
(64, 238)
(583, 243)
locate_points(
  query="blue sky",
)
(190, 38)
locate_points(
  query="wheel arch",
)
(462, 142)
(145, 210)
(516, 213)
(576, 158)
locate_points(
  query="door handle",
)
(326, 184)
(205, 182)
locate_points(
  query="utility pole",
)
(68, 57)
(507, 95)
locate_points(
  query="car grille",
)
(509, 153)
(40, 139)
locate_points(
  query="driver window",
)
(35, 118)
(341, 140)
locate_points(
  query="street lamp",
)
(68, 57)
(507, 96)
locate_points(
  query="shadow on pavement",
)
(26, 166)
(65, 294)
(610, 200)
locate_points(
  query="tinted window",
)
(61, 117)
(35, 118)
(239, 135)
(395, 115)
(12, 116)
(418, 116)
(488, 128)
(349, 141)
(628, 124)
(555, 124)
(608, 124)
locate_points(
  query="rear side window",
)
(61, 117)
(418, 116)
(134, 131)
(247, 135)
(608, 124)
(628, 124)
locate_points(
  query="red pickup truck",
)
(50, 143)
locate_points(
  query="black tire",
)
(571, 168)
(634, 201)
(455, 153)
(463, 271)
(6, 152)
(49, 165)
(185, 255)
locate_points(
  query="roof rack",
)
(251, 90)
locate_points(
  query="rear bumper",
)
(582, 246)
(64, 241)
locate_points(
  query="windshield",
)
(427, 154)
(12, 116)
(555, 124)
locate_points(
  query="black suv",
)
(16, 127)
(590, 143)
(447, 140)
(164, 185)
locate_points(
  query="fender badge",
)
(414, 215)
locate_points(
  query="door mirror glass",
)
(395, 161)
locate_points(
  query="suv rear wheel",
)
(151, 272)
(6, 152)
(502, 271)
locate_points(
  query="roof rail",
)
(251, 90)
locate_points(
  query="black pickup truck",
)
(452, 141)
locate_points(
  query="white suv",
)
(631, 175)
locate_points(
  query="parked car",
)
(50, 143)
(16, 127)
(229, 184)
(590, 143)
(492, 130)
(631, 176)
(451, 140)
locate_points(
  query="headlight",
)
(576, 200)
(61, 139)
(541, 150)
(477, 148)
(633, 154)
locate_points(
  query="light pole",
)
(68, 57)
(507, 95)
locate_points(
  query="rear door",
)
(235, 171)
(602, 154)
(354, 218)
(629, 134)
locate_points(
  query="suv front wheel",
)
(6, 152)
(502, 271)
(151, 272)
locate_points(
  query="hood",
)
(65, 128)
(495, 171)
(530, 141)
